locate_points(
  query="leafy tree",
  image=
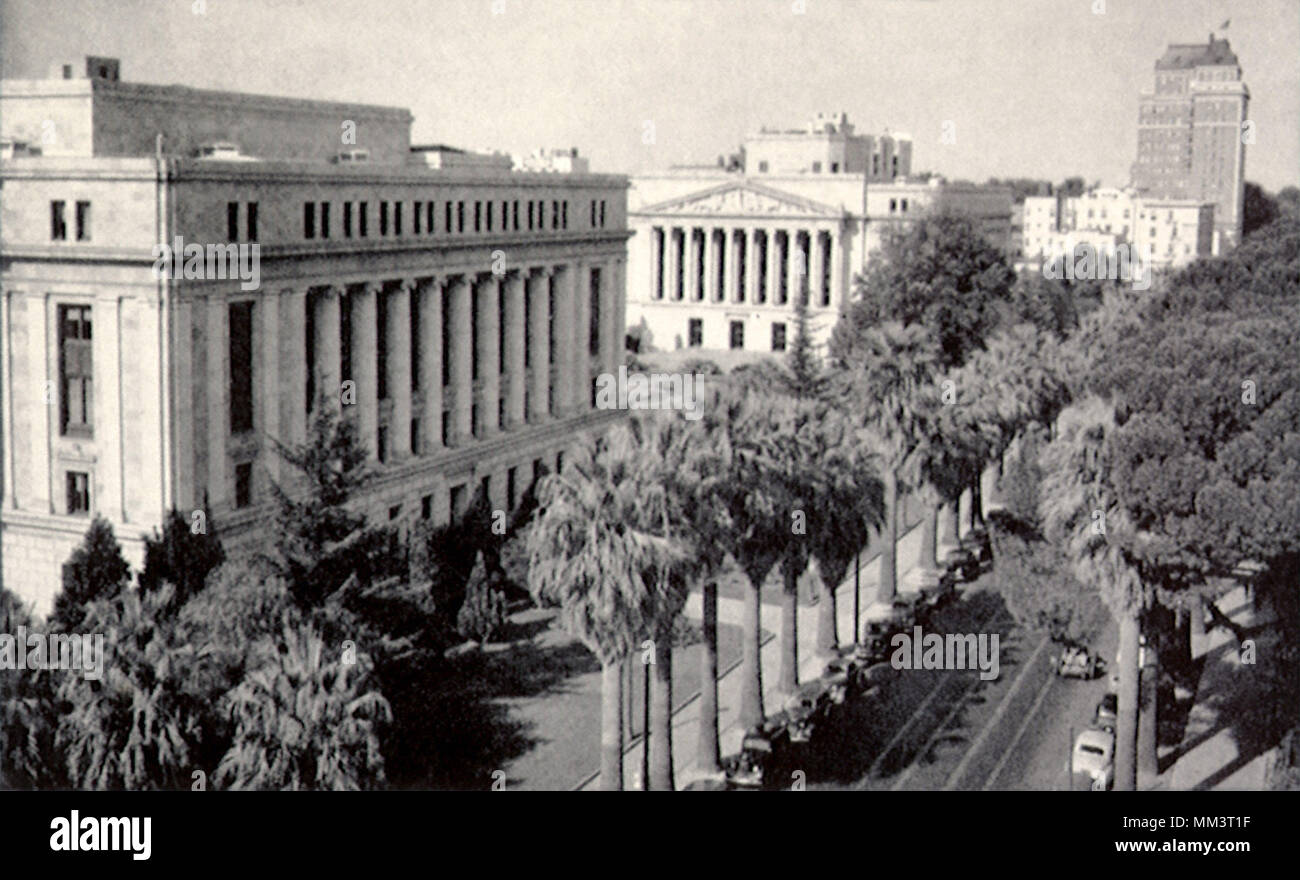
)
(1259, 209)
(95, 570)
(939, 273)
(180, 556)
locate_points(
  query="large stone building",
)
(1192, 133)
(457, 309)
(720, 251)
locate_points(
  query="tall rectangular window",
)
(415, 218)
(324, 219)
(241, 367)
(778, 336)
(347, 219)
(489, 216)
(564, 215)
(83, 221)
(58, 221)
(460, 216)
(478, 216)
(555, 215)
(308, 219)
(383, 219)
(514, 213)
(397, 218)
(76, 371)
(737, 334)
(78, 492)
(232, 221)
(363, 218)
(695, 332)
(447, 225)
(252, 221)
(428, 217)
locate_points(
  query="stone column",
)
(539, 286)
(734, 293)
(608, 318)
(398, 368)
(327, 344)
(267, 338)
(673, 289)
(565, 357)
(487, 304)
(751, 266)
(582, 334)
(460, 380)
(711, 258)
(816, 268)
(656, 260)
(365, 363)
(218, 395)
(513, 291)
(839, 285)
(773, 268)
(293, 365)
(795, 267)
(430, 342)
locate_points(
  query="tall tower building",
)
(1192, 134)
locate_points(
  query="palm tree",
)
(951, 458)
(1079, 511)
(602, 548)
(888, 385)
(850, 506)
(305, 719)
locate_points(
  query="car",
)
(844, 674)
(806, 708)
(762, 750)
(1077, 661)
(977, 539)
(880, 623)
(1093, 758)
(963, 563)
(1107, 712)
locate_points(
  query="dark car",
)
(763, 749)
(806, 708)
(963, 563)
(1107, 712)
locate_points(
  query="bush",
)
(483, 612)
(180, 556)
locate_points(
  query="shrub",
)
(180, 556)
(96, 570)
(483, 612)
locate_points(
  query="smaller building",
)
(559, 161)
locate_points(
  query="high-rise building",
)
(1192, 133)
(459, 311)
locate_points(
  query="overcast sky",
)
(1036, 88)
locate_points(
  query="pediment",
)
(742, 200)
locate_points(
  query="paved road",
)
(950, 729)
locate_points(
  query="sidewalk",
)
(1223, 752)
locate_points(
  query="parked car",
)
(1077, 661)
(880, 623)
(977, 539)
(1093, 758)
(1107, 712)
(806, 708)
(844, 674)
(762, 751)
(963, 563)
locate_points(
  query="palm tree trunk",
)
(977, 503)
(611, 726)
(789, 679)
(708, 756)
(827, 617)
(1148, 759)
(889, 549)
(661, 712)
(1127, 721)
(930, 538)
(751, 673)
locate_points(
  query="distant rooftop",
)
(1184, 56)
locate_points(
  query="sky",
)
(1032, 88)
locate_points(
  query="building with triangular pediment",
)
(720, 252)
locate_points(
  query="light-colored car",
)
(1107, 712)
(880, 622)
(1094, 757)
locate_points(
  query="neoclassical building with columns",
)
(720, 252)
(458, 311)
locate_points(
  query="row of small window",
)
(897, 206)
(736, 338)
(59, 220)
(456, 217)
